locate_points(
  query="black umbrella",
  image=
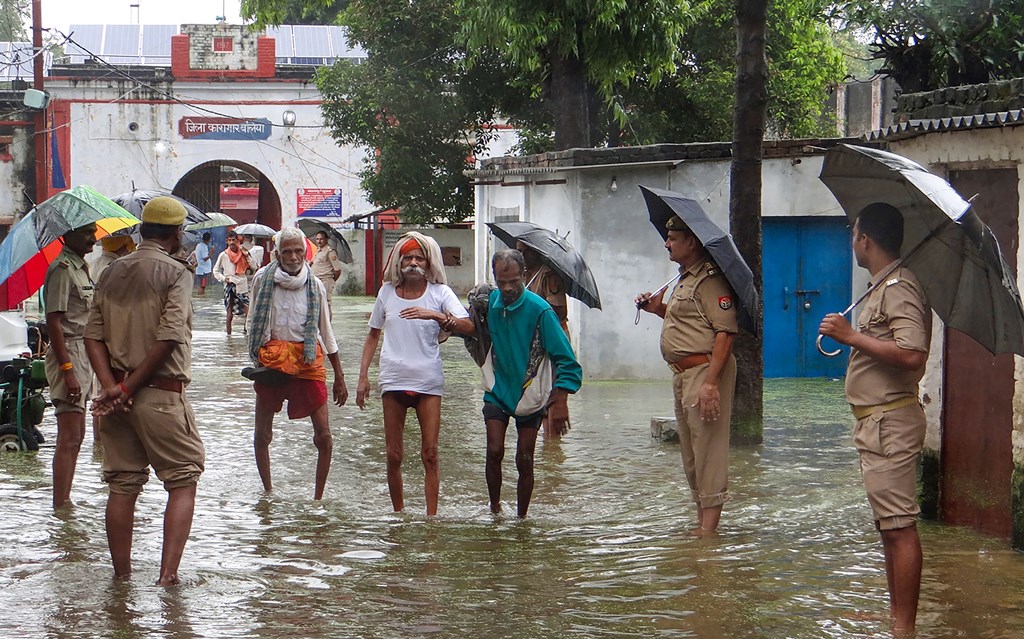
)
(557, 253)
(950, 250)
(133, 201)
(334, 238)
(663, 205)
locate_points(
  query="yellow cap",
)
(164, 210)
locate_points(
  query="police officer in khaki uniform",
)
(139, 340)
(887, 360)
(326, 266)
(67, 294)
(696, 342)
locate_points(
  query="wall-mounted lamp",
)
(288, 118)
(614, 186)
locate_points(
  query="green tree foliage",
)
(13, 16)
(266, 13)
(416, 103)
(927, 44)
(579, 46)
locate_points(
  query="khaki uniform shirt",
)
(69, 290)
(142, 298)
(700, 305)
(325, 263)
(896, 310)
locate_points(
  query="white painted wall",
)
(612, 231)
(107, 155)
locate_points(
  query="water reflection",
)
(604, 552)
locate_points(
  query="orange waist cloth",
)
(287, 358)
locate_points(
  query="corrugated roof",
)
(913, 128)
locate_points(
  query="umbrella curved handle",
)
(823, 351)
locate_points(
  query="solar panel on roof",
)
(121, 43)
(283, 39)
(15, 60)
(90, 36)
(156, 39)
(311, 41)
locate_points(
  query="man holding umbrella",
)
(887, 360)
(67, 297)
(696, 342)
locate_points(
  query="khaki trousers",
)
(704, 445)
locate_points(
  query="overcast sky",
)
(64, 13)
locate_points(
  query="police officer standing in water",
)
(889, 349)
(696, 342)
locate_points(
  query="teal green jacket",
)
(512, 330)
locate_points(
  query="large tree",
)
(265, 13)
(580, 47)
(14, 14)
(928, 44)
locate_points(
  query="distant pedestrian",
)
(139, 341)
(888, 353)
(534, 371)
(234, 267)
(326, 266)
(67, 295)
(203, 262)
(289, 333)
(696, 342)
(255, 250)
(412, 307)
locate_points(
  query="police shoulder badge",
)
(725, 303)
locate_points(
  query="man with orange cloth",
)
(289, 334)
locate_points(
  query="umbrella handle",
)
(823, 351)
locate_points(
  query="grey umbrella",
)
(557, 253)
(950, 250)
(335, 239)
(662, 205)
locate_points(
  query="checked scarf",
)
(262, 303)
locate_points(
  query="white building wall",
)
(108, 155)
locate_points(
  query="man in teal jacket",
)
(534, 370)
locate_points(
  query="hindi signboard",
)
(318, 202)
(196, 128)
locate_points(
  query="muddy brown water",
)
(604, 552)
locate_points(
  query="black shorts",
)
(495, 413)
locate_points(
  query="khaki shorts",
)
(890, 444)
(55, 378)
(158, 431)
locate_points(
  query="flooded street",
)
(603, 553)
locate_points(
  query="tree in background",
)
(266, 13)
(14, 15)
(928, 44)
(581, 49)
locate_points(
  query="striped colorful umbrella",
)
(35, 241)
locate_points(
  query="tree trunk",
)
(745, 205)
(570, 103)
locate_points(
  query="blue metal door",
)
(807, 273)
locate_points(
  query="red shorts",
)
(304, 396)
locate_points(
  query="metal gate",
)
(807, 273)
(977, 415)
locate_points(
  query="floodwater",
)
(604, 552)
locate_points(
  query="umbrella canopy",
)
(133, 201)
(335, 239)
(216, 220)
(31, 245)
(951, 251)
(557, 253)
(662, 205)
(259, 230)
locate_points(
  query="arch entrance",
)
(232, 187)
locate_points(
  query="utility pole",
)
(39, 118)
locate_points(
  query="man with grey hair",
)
(534, 370)
(289, 334)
